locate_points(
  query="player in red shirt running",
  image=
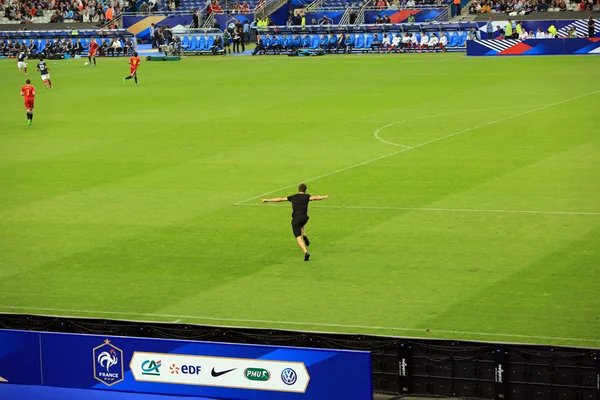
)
(93, 51)
(134, 63)
(28, 92)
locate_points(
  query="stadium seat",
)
(201, 43)
(210, 40)
(193, 43)
(453, 41)
(360, 42)
(418, 36)
(369, 42)
(463, 39)
(185, 43)
(314, 42)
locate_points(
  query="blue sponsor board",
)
(185, 368)
(533, 47)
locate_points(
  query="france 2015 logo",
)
(108, 363)
(288, 376)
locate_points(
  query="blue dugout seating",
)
(40, 38)
(199, 43)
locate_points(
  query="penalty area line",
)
(419, 146)
(275, 322)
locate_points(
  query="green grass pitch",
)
(476, 216)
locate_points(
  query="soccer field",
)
(464, 194)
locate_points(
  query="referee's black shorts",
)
(298, 224)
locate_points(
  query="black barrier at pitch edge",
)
(399, 365)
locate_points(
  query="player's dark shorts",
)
(297, 225)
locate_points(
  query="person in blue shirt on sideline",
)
(376, 44)
(276, 44)
(331, 43)
(349, 42)
(295, 43)
(323, 42)
(305, 41)
(489, 28)
(246, 29)
(284, 42)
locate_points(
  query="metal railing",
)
(345, 17)
(209, 22)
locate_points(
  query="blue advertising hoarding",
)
(533, 47)
(185, 368)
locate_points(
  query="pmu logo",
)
(499, 373)
(151, 367)
(288, 376)
(108, 363)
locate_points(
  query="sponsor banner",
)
(182, 368)
(563, 26)
(533, 47)
(237, 373)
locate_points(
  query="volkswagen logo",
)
(288, 376)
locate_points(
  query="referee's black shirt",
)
(299, 205)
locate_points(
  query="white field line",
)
(272, 322)
(419, 145)
(436, 209)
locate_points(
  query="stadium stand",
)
(28, 12)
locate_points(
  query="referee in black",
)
(299, 214)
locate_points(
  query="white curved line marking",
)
(376, 133)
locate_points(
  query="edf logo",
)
(185, 369)
(191, 369)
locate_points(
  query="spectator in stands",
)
(485, 9)
(386, 43)
(591, 27)
(378, 19)
(349, 44)
(195, 20)
(386, 19)
(540, 34)
(443, 42)
(325, 20)
(245, 8)
(561, 5)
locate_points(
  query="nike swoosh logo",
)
(216, 374)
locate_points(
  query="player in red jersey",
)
(93, 51)
(28, 92)
(134, 63)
